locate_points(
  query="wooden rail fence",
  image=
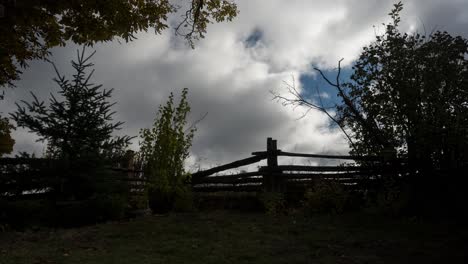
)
(33, 176)
(290, 178)
(28, 178)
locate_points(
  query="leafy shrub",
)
(393, 198)
(326, 196)
(183, 199)
(163, 200)
(274, 203)
(138, 202)
(160, 199)
(98, 195)
(164, 149)
(23, 214)
(99, 208)
(109, 207)
(434, 195)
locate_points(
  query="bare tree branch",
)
(299, 100)
(194, 124)
(191, 18)
(368, 123)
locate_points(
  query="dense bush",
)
(392, 197)
(86, 195)
(439, 195)
(160, 200)
(274, 203)
(27, 213)
(44, 212)
(163, 200)
(96, 209)
(99, 195)
(326, 196)
(183, 199)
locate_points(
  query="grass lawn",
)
(230, 237)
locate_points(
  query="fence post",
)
(271, 179)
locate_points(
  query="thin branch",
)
(197, 6)
(338, 74)
(325, 77)
(194, 124)
(299, 100)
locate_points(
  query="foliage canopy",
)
(407, 96)
(409, 92)
(29, 28)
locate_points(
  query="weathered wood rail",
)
(30, 178)
(20, 176)
(281, 178)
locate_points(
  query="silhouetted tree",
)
(408, 94)
(29, 28)
(78, 129)
(81, 124)
(6, 142)
(411, 94)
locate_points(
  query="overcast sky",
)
(231, 72)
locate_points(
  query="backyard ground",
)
(230, 237)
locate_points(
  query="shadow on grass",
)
(228, 237)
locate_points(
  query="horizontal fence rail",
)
(232, 165)
(36, 176)
(322, 156)
(274, 177)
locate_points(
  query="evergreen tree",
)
(78, 130)
(78, 126)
